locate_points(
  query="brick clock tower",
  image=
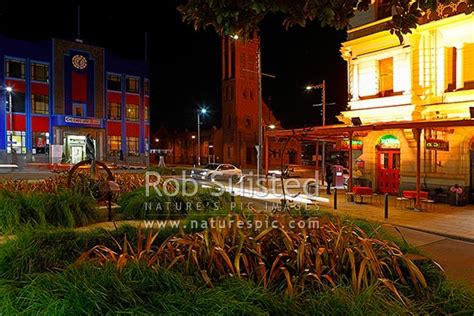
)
(240, 100)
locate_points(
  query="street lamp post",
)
(200, 111)
(10, 110)
(322, 87)
(271, 127)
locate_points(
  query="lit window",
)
(115, 111)
(132, 112)
(132, 146)
(146, 113)
(468, 65)
(15, 69)
(450, 69)
(114, 82)
(386, 77)
(132, 85)
(115, 145)
(78, 109)
(39, 72)
(39, 104)
(17, 142)
(40, 142)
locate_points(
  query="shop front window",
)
(40, 143)
(115, 144)
(132, 146)
(17, 142)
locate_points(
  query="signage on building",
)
(437, 144)
(357, 144)
(82, 121)
(388, 142)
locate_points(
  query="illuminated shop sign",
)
(82, 121)
(357, 144)
(389, 142)
(437, 144)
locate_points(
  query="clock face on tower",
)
(79, 62)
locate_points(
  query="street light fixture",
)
(203, 111)
(322, 87)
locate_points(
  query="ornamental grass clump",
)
(66, 208)
(289, 253)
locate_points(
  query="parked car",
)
(217, 171)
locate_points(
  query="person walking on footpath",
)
(329, 178)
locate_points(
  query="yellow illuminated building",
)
(430, 76)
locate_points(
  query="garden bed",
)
(40, 274)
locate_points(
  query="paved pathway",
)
(455, 256)
(450, 221)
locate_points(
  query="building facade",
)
(240, 95)
(430, 76)
(236, 140)
(62, 91)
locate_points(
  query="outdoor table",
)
(411, 196)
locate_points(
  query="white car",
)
(216, 171)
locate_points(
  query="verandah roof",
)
(332, 132)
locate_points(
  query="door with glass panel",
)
(388, 171)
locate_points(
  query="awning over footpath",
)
(333, 132)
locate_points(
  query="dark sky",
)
(185, 65)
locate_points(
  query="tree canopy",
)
(242, 17)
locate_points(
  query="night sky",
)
(185, 65)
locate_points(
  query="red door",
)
(388, 171)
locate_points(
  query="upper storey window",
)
(386, 77)
(39, 72)
(15, 68)
(384, 9)
(132, 85)
(114, 82)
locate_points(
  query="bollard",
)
(232, 196)
(335, 198)
(386, 206)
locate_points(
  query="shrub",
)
(65, 208)
(159, 205)
(332, 254)
(37, 251)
